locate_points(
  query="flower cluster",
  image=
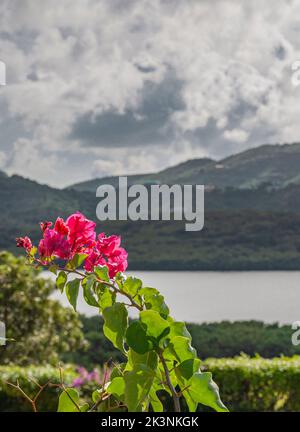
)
(74, 236)
(86, 377)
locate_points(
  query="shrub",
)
(41, 328)
(247, 384)
(12, 400)
(258, 384)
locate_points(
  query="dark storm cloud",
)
(149, 124)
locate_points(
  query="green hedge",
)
(246, 384)
(258, 384)
(11, 399)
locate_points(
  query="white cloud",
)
(236, 135)
(233, 60)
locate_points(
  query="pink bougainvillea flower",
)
(24, 242)
(61, 227)
(117, 262)
(108, 245)
(44, 225)
(81, 232)
(77, 235)
(93, 260)
(54, 244)
(107, 252)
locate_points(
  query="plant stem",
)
(169, 383)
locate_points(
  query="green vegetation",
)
(223, 339)
(246, 384)
(12, 400)
(41, 328)
(258, 384)
(233, 238)
(229, 339)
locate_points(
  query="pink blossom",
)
(44, 225)
(85, 377)
(61, 227)
(107, 245)
(108, 248)
(82, 232)
(117, 262)
(24, 242)
(93, 260)
(77, 235)
(54, 244)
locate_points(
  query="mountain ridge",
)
(276, 164)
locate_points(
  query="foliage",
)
(41, 328)
(12, 400)
(229, 339)
(221, 339)
(258, 384)
(97, 350)
(247, 384)
(158, 353)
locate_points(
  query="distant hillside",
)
(278, 165)
(244, 229)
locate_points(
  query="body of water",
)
(215, 296)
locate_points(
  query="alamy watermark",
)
(296, 335)
(2, 73)
(2, 334)
(152, 202)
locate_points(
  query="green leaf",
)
(131, 286)
(149, 359)
(155, 402)
(155, 301)
(118, 371)
(156, 327)
(138, 384)
(85, 407)
(117, 388)
(88, 292)
(178, 328)
(96, 395)
(68, 401)
(120, 279)
(102, 273)
(72, 290)
(61, 280)
(204, 390)
(187, 368)
(53, 268)
(181, 348)
(184, 371)
(33, 251)
(137, 339)
(106, 297)
(76, 261)
(115, 324)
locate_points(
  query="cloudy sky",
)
(99, 87)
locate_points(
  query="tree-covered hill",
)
(277, 165)
(250, 229)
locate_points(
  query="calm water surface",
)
(216, 296)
